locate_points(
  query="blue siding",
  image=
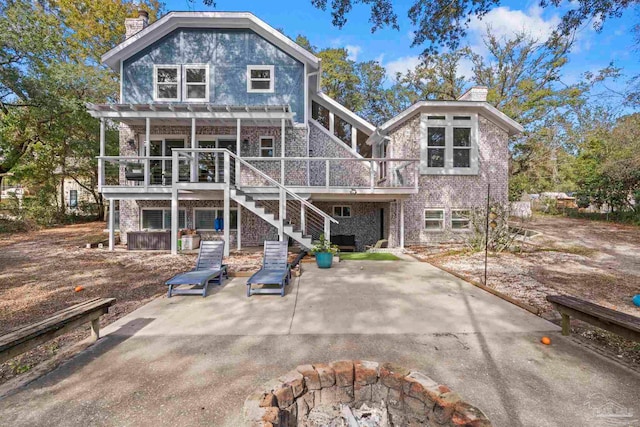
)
(228, 52)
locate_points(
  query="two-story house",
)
(224, 129)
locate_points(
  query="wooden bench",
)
(623, 324)
(24, 339)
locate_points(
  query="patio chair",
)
(208, 267)
(380, 244)
(275, 270)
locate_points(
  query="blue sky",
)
(592, 51)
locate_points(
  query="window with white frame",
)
(342, 211)
(460, 219)
(434, 219)
(166, 82)
(205, 218)
(449, 144)
(160, 219)
(267, 148)
(196, 81)
(260, 78)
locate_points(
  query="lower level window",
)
(160, 219)
(434, 219)
(342, 211)
(205, 219)
(460, 219)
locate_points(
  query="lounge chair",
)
(275, 270)
(380, 244)
(208, 267)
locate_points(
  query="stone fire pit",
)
(356, 394)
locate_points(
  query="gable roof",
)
(486, 109)
(233, 20)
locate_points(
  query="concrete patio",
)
(192, 361)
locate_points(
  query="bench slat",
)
(603, 313)
(57, 321)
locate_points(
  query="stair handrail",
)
(259, 172)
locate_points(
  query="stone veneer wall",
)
(412, 398)
(364, 222)
(342, 173)
(452, 191)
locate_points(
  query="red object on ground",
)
(79, 288)
(546, 340)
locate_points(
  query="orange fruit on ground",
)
(546, 340)
(79, 288)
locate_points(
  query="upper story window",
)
(166, 82)
(260, 78)
(449, 144)
(196, 80)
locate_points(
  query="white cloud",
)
(401, 65)
(505, 22)
(465, 69)
(353, 51)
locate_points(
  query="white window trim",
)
(273, 145)
(272, 80)
(206, 83)
(442, 221)
(333, 211)
(449, 123)
(451, 221)
(210, 209)
(155, 81)
(163, 209)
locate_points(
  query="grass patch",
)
(368, 256)
(574, 249)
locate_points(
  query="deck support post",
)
(112, 224)
(282, 213)
(239, 228)
(174, 203)
(303, 218)
(327, 229)
(282, 150)
(238, 154)
(102, 152)
(226, 223)
(194, 155)
(147, 151)
(402, 224)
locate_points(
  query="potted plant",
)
(324, 252)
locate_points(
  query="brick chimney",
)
(135, 25)
(476, 93)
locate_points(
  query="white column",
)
(303, 218)
(332, 123)
(238, 151)
(194, 155)
(327, 229)
(102, 151)
(112, 224)
(174, 204)
(227, 196)
(283, 209)
(402, 224)
(354, 138)
(282, 150)
(238, 237)
(147, 151)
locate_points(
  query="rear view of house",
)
(224, 129)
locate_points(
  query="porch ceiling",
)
(182, 114)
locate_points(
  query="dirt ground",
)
(592, 260)
(40, 270)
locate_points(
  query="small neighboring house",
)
(224, 129)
